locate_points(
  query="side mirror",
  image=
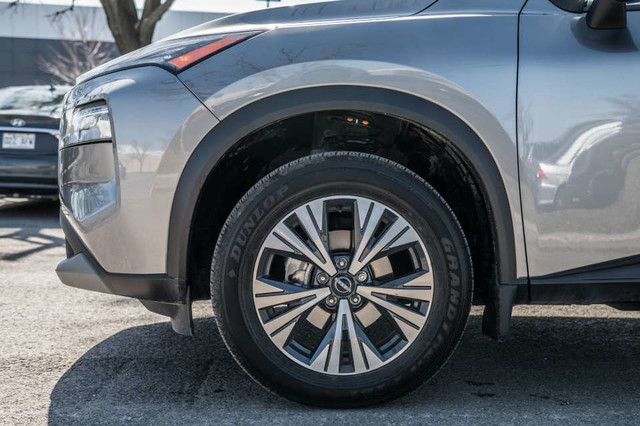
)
(607, 15)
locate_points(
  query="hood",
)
(255, 22)
(313, 12)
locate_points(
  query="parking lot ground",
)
(74, 357)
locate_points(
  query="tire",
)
(344, 372)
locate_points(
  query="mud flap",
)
(496, 319)
(180, 314)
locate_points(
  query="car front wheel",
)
(341, 279)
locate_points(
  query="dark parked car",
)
(29, 128)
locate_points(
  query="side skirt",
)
(615, 283)
(609, 282)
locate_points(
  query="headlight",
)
(88, 123)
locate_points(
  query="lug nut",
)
(362, 276)
(342, 263)
(331, 300)
(355, 299)
(322, 278)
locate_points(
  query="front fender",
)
(462, 61)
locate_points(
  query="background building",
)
(29, 36)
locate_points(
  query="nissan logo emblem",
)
(343, 285)
(18, 122)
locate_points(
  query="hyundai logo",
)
(18, 122)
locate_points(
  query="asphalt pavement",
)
(71, 357)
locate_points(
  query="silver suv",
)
(344, 179)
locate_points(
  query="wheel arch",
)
(232, 129)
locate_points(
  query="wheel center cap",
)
(343, 285)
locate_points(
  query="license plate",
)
(19, 141)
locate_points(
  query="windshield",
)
(33, 99)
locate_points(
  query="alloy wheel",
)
(343, 285)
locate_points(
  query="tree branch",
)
(129, 31)
(57, 14)
(151, 14)
(122, 18)
(78, 51)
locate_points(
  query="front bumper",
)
(117, 194)
(159, 293)
(29, 175)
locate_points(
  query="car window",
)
(33, 99)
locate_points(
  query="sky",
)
(224, 6)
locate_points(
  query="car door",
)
(578, 139)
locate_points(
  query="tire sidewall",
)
(296, 184)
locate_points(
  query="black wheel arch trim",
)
(258, 114)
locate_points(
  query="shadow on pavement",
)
(23, 223)
(551, 368)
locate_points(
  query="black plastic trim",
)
(266, 111)
(90, 142)
(580, 6)
(584, 293)
(496, 318)
(607, 15)
(607, 282)
(574, 6)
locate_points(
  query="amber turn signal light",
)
(195, 55)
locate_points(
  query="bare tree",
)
(139, 153)
(129, 30)
(79, 51)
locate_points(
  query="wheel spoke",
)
(328, 356)
(416, 286)
(369, 351)
(283, 239)
(405, 293)
(276, 324)
(320, 357)
(421, 278)
(271, 293)
(312, 219)
(367, 215)
(344, 322)
(333, 366)
(399, 233)
(399, 312)
(356, 350)
(263, 285)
